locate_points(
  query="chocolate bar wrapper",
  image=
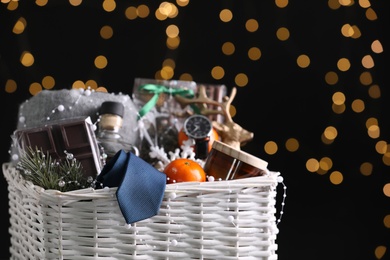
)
(75, 136)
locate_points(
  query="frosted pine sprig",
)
(48, 173)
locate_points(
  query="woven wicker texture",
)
(209, 220)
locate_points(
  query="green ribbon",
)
(157, 90)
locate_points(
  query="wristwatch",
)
(198, 127)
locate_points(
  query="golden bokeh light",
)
(27, 59)
(325, 164)
(91, 84)
(326, 140)
(292, 145)
(101, 62)
(172, 31)
(48, 82)
(35, 88)
(312, 165)
(376, 46)
(283, 34)
(102, 89)
(131, 13)
(386, 189)
(381, 147)
(386, 158)
(343, 64)
(271, 147)
(166, 10)
(167, 72)
(78, 84)
(44, 2)
(19, 26)
(228, 48)
(374, 91)
(281, 3)
(251, 25)
(366, 168)
(72, 2)
(371, 14)
(365, 78)
(303, 61)
(364, 3)
(330, 133)
(334, 4)
(226, 15)
(346, 2)
(338, 109)
(106, 32)
(143, 11)
(380, 251)
(173, 43)
(254, 53)
(336, 177)
(241, 80)
(186, 76)
(109, 5)
(368, 62)
(182, 3)
(347, 30)
(331, 78)
(338, 98)
(10, 86)
(321, 171)
(356, 32)
(371, 121)
(169, 63)
(386, 221)
(217, 72)
(11, 5)
(358, 105)
(374, 131)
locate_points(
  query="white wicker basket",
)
(208, 220)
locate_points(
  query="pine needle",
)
(48, 173)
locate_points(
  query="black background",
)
(321, 220)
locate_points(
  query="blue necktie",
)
(140, 186)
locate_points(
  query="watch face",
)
(197, 126)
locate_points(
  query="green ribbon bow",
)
(157, 90)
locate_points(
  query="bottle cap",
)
(112, 107)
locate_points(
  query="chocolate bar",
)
(59, 138)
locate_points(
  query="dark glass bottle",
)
(110, 123)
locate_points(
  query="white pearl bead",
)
(61, 108)
(87, 92)
(172, 195)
